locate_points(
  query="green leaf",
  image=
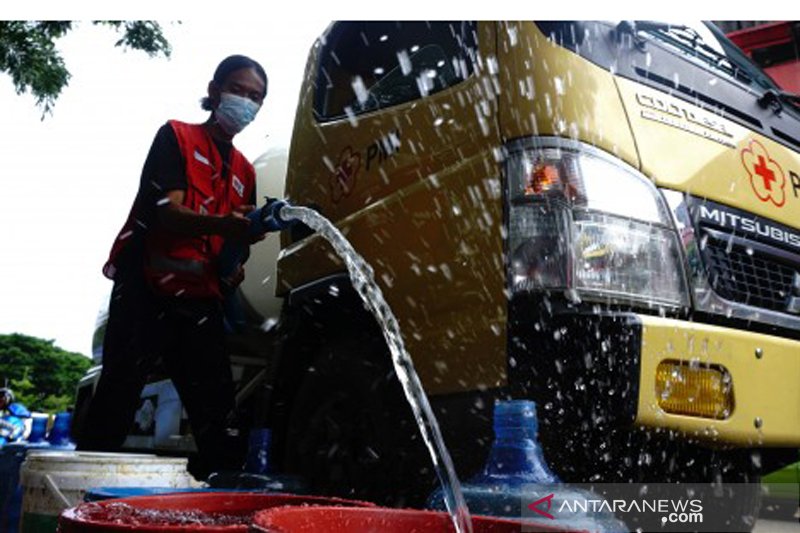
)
(41, 374)
(29, 55)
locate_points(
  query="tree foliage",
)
(29, 55)
(42, 375)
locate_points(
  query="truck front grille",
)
(748, 272)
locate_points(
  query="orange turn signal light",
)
(543, 178)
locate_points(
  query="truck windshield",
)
(705, 42)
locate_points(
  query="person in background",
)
(6, 398)
(12, 425)
(195, 191)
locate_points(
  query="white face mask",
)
(235, 112)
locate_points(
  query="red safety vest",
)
(187, 266)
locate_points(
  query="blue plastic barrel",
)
(107, 493)
(38, 428)
(60, 432)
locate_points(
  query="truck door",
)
(396, 141)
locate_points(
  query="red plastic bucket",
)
(223, 512)
(374, 519)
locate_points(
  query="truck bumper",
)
(597, 372)
(764, 375)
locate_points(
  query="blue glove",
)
(263, 220)
(273, 220)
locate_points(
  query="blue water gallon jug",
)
(258, 449)
(516, 481)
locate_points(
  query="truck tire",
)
(350, 431)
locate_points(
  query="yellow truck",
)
(600, 216)
(603, 217)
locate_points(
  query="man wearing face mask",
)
(195, 191)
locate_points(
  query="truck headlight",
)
(585, 222)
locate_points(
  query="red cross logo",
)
(535, 506)
(766, 175)
(763, 170)
(344, 176)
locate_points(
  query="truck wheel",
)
(350, 432)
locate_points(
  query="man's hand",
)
(178, 218)
(236, 225)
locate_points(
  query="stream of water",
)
(363, 280)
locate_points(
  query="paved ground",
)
(777, 517)
(776, 526)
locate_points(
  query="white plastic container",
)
(54, 481)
